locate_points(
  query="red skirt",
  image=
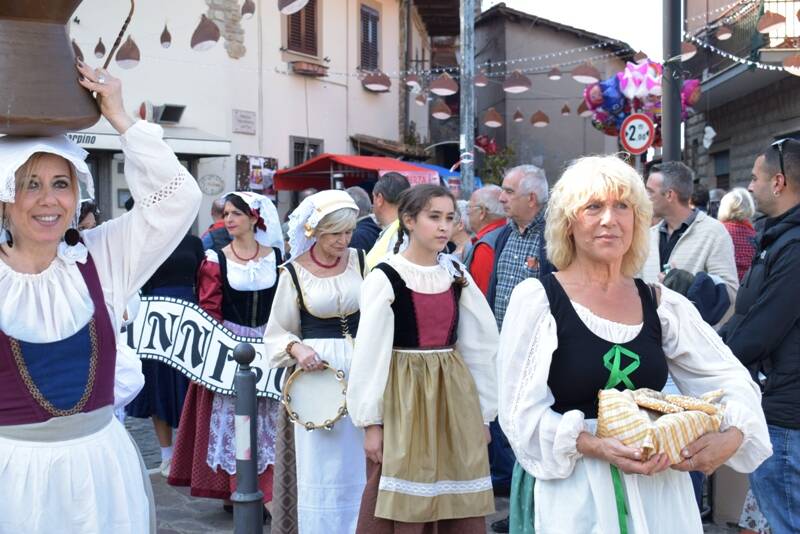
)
(189, 466)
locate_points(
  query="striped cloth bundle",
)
(655, 422)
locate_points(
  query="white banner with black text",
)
(185, 337)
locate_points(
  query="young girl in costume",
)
(422, 381)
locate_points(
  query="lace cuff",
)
(166, 191)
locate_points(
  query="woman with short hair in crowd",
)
(735, 211)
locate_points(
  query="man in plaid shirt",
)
(519, 254)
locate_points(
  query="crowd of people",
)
(474, 337)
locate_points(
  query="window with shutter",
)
(302, 30)
(369, 38)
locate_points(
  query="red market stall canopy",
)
(319, 172)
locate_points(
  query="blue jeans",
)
(776, 483)
(501, 459)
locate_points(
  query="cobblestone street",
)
(179, 513)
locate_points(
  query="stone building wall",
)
(744, 126)
(227, 14)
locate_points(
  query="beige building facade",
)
(275, 87)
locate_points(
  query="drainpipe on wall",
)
(259, 12)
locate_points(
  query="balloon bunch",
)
(637, 89)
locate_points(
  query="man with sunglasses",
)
(764, 332)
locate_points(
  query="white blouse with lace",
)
(477, 338)
(55, 304)
(332, 296)
(545, 442)
(254, 275)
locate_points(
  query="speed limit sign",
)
(637, 133)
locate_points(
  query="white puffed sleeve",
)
(127, 250)
(372, 354)
(128, 377)
(544, 441)
(283, 325)
(700, 362)
(477, 344)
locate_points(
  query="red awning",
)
(318, 172)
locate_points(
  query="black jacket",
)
(365, 234)
(764, 332)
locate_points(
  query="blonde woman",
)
(551, 365)
(735, 211)
(66, 463)
(314, 319)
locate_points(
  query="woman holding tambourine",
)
(313, 321)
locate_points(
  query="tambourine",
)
(315, 399)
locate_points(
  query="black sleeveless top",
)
(584, 363)
(421, 320)
(313, 327)
(246, 308)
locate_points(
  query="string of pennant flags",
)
(537, 69)
(732, 57)
(721, 9)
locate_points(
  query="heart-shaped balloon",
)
(632, 80)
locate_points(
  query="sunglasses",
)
(779, 145)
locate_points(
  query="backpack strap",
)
(502, 238)
(362, 262)
(489, 239)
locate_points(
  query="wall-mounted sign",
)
(256, 173)
(98, 141)
(422, 176)
(244, 122)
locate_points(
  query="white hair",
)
(488, 197)
(341, 220)
(736, 206)
(532, 180)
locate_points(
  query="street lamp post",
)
(466, 140)
(671, 82)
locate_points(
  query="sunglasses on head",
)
(779, 146)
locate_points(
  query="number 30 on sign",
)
(637, 133)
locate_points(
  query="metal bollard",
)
(248, 505)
